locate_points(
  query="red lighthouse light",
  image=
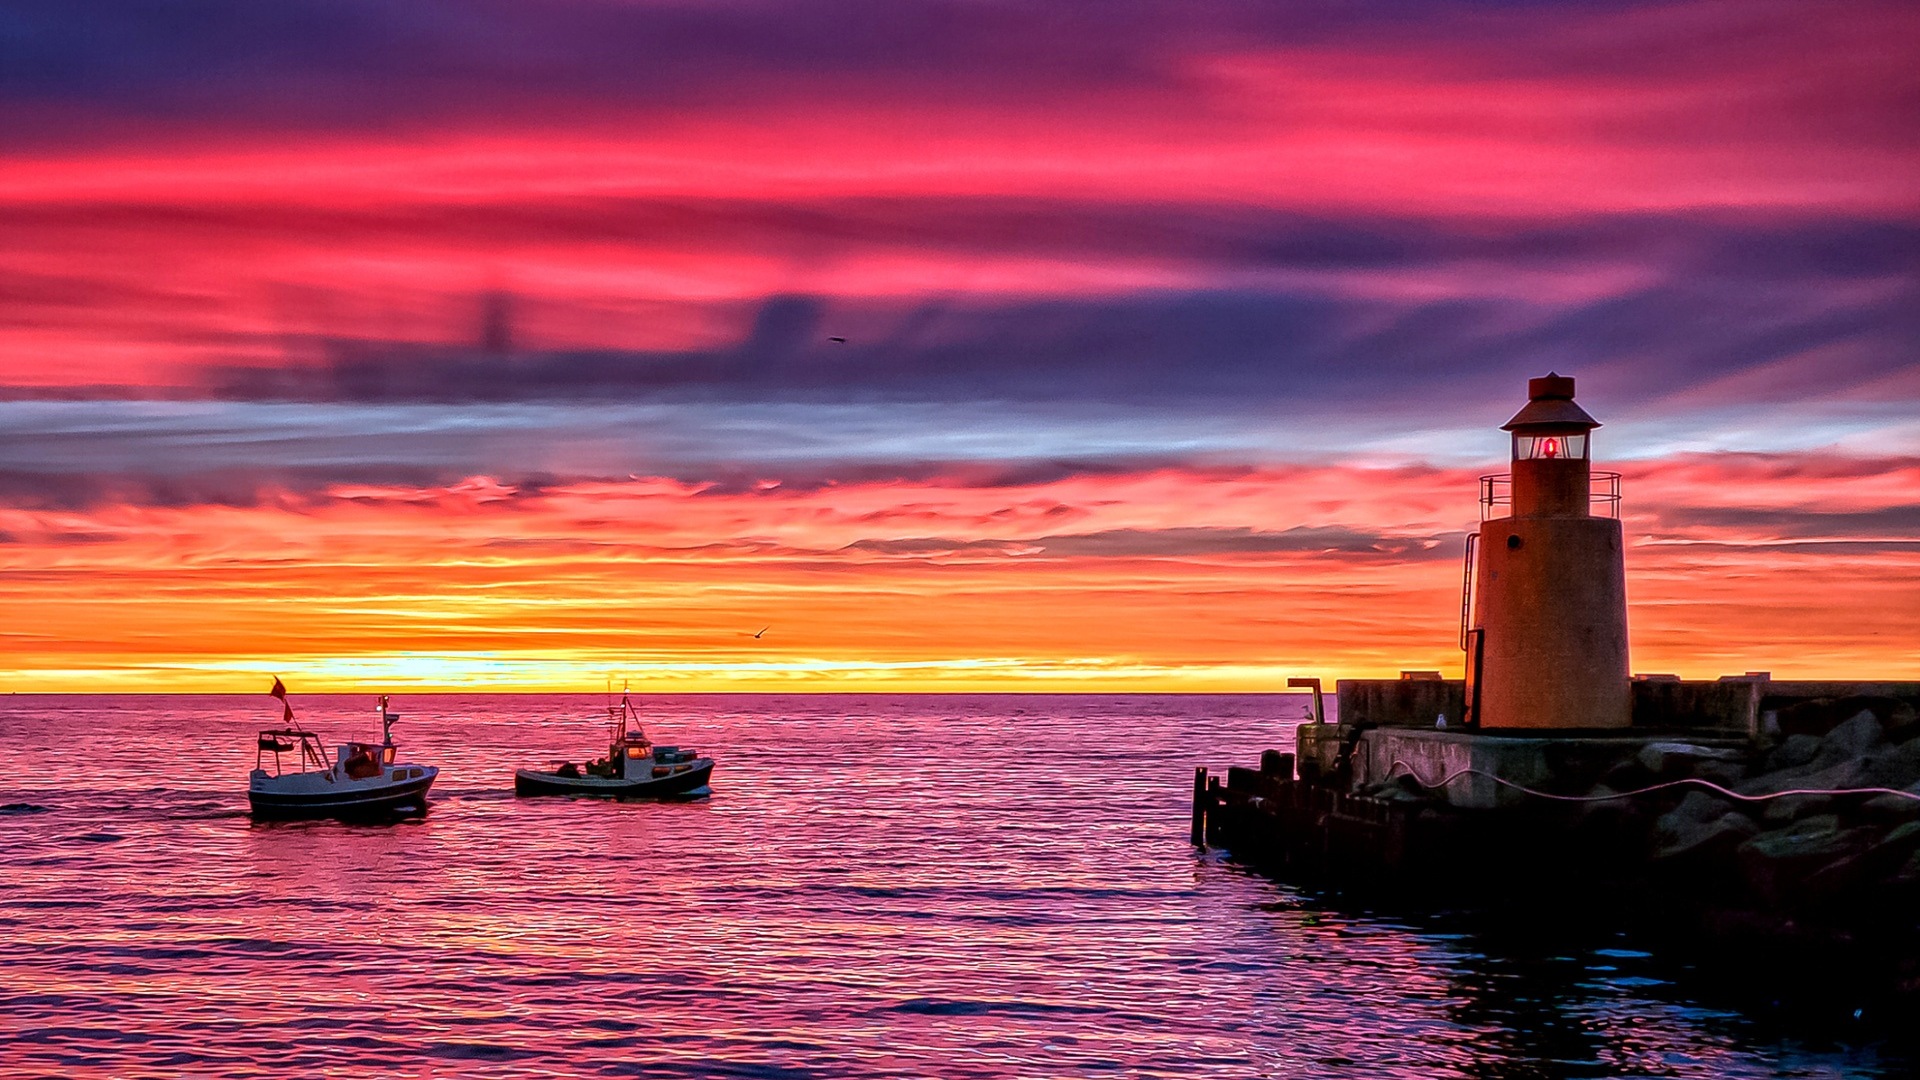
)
(1549, 447)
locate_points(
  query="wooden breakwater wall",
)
(1321, 832)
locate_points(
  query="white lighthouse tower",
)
(1546, 630)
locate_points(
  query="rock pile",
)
(1797, 848)
(1791, 849)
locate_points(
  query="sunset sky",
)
(399, 344)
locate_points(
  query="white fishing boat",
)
(633, 768)
(358, 780)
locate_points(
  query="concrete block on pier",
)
(1467, 769)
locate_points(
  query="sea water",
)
(879, 886)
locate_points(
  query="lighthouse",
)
(1549, 709)
(1545, 609)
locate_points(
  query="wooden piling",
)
(1215, 794)
(1199, 834)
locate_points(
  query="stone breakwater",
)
(1836, 857)
(1798, 844)
(1820, 810)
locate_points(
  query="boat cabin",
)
(360, 760)
(630, 754)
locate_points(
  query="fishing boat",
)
(358, 780)
(634, 767)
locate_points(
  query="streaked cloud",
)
(980, 343)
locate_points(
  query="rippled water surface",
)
(879, 886)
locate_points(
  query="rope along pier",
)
(1399, 766)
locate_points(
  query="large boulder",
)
(1628, 775)
(1684, 839)
(1697, 807)
(1793, 751)
(1674, 760)
(1701, 827)
(1839, 775)
(1850, 756)
(1894, 807)
(1609, 813)
(1893, 765)
(1851, 739)
(1793, 807)
(1878, 859)
(1726, 773)
(1777, 863)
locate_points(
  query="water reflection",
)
(1517, 996)
(981, 887)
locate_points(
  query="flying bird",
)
(841, 340)
(763, 630)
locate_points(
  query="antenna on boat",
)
(386, 731)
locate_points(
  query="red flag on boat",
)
(280, 691)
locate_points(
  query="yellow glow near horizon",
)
(1149, 582)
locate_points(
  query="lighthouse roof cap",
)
(1551, 405)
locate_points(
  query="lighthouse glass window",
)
(1547, 447)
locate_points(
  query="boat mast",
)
(386, 732)
(626, 708)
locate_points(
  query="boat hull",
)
(356, 801)
(537, 782)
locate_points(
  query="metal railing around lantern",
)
(1603, 494)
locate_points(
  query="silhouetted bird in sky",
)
(763, 630)
(841, 340)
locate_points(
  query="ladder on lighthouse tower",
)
(1473, 639)
(1466, 591)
